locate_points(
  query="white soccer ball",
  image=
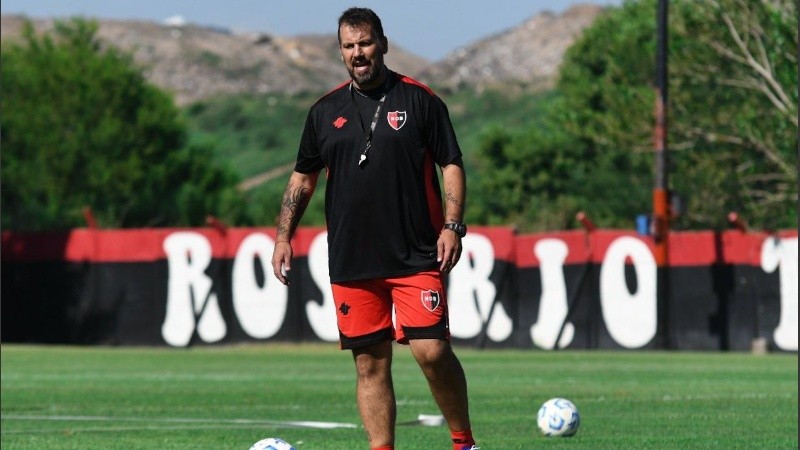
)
(272, 444)
(558, 417)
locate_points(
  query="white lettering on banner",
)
(781, 254)
(191, 303)
(260, 310)
(321, 317)
(553, 304)
(629, 317)
(471, 295)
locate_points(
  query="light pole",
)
(661, 213)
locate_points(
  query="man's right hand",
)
(282, 261)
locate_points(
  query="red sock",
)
(385, 447)
(462, 439)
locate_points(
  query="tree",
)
(736, 109)
(525, 189)
(732, 119)
(82, 127)
(590, 150)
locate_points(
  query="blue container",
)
(643, 224)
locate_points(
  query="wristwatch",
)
(459, 227)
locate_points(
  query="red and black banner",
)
(572, 289)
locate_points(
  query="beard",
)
(366, 78)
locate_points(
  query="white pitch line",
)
(144, 427)
(288, 423)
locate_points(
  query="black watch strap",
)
(460, 228)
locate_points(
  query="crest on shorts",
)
(396, 119)
(430, 300)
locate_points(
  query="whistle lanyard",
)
(363, 158)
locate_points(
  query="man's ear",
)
(384, 45)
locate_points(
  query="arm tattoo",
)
(454, 207)
(295, 201)
(452, 199)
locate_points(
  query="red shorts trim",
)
(381, 309)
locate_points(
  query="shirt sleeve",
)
(308, 155)
(441, 137)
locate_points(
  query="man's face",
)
(362, 54)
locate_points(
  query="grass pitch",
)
(229, 397)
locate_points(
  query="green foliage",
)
(736, 96)
(257, 134)
(82, 127)
(606, 81)
(475, 113)
(254, 133)
(525, 186)
(732, 123)
(586, 150)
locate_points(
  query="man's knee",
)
(373, 361)
(431, 353)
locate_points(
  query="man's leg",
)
(375, 392)
(446, 379)
(421, 310)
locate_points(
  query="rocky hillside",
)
(196, 62)
(529, 54)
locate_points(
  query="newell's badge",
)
(430, 300)
(396, 119)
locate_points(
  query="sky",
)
(428, 28)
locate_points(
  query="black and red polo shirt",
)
(384, 217)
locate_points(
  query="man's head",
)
(362, 45)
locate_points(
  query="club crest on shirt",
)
(430, 300)
(396, 119)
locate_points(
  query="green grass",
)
(229, 397)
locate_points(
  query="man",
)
(380, 137)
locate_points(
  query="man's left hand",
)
(448, 250)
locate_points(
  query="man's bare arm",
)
(455, 192)
(298, 193)
(454, 182)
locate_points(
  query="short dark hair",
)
(361, 16)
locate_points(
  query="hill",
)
(528, 54)
(196, 62)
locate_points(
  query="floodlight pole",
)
(661, 213)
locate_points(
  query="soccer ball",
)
(272, 444)
(558, 417)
